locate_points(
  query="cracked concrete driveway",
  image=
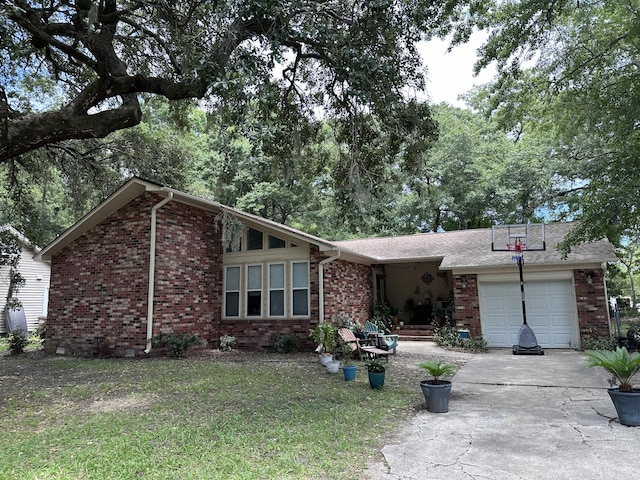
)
(518, 417)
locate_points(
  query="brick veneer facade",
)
(467, 303)
(99, 286)
(591, 302)
(348, 290)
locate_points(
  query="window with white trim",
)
(300, 288)
(254, 291)
(276, 290)
(232, 292)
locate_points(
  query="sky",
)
(451, 73)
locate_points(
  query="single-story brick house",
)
(151, 259)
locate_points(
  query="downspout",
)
(606, 297)
(152, 268)
(321, 284)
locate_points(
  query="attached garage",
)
(550, 306)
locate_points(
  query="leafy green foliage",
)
(590, 339)
(438, 369)
(177, 344)
(285, 342)
(448, 337)
(580, 91)
(375, 366)
(325, 335)
(18, 341)
(227, 342)
(620, 363)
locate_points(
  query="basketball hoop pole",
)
(524, 308)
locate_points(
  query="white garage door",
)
(550, 312)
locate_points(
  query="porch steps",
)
(415, 333)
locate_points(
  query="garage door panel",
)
(497, 339)
(550, 312)
(535, 321)
(562, 340)
(560, 321)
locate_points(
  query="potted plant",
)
(437, 392)
(348, 367)
(324, 334)
(623, 366)
(376, 371)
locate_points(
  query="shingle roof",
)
(472, 248)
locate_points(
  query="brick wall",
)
(591, 302)
(99, 286)
(98, 295)
(188, 275)
(348, 290)
(467, 303)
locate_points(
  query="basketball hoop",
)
(517, 248)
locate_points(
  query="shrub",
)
(41, 331)
(285, 343)
(449, 338)
(592, 340)
(227, 342)
(18, 341)
(177, 344)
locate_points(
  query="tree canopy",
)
(95, 59)
(572, 69)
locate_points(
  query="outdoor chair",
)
(360, 346)
(390, 340)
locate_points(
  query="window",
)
(254, 239)
(275, 242)
(276, 290)
(300, 288)
(280, 289)
(254, 290)
(232, 292)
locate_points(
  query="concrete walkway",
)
(517, 417)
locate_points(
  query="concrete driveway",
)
(518, 417)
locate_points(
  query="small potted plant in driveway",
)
(437, 392)
(376, 373)
(623, 366)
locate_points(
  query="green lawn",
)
(234, 416)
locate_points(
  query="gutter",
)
(152, 268)
(321, 283)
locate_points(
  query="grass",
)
(237, 416)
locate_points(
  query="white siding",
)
(34, 295)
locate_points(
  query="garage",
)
(550, 308)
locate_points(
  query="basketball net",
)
(517, 249)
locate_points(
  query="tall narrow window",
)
(300, 288)
(254, 239)
(254, 290)
(232, 292)
(276, 289)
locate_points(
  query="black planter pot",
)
(627, 405)
(436, 396)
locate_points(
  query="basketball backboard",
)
(529, 236)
